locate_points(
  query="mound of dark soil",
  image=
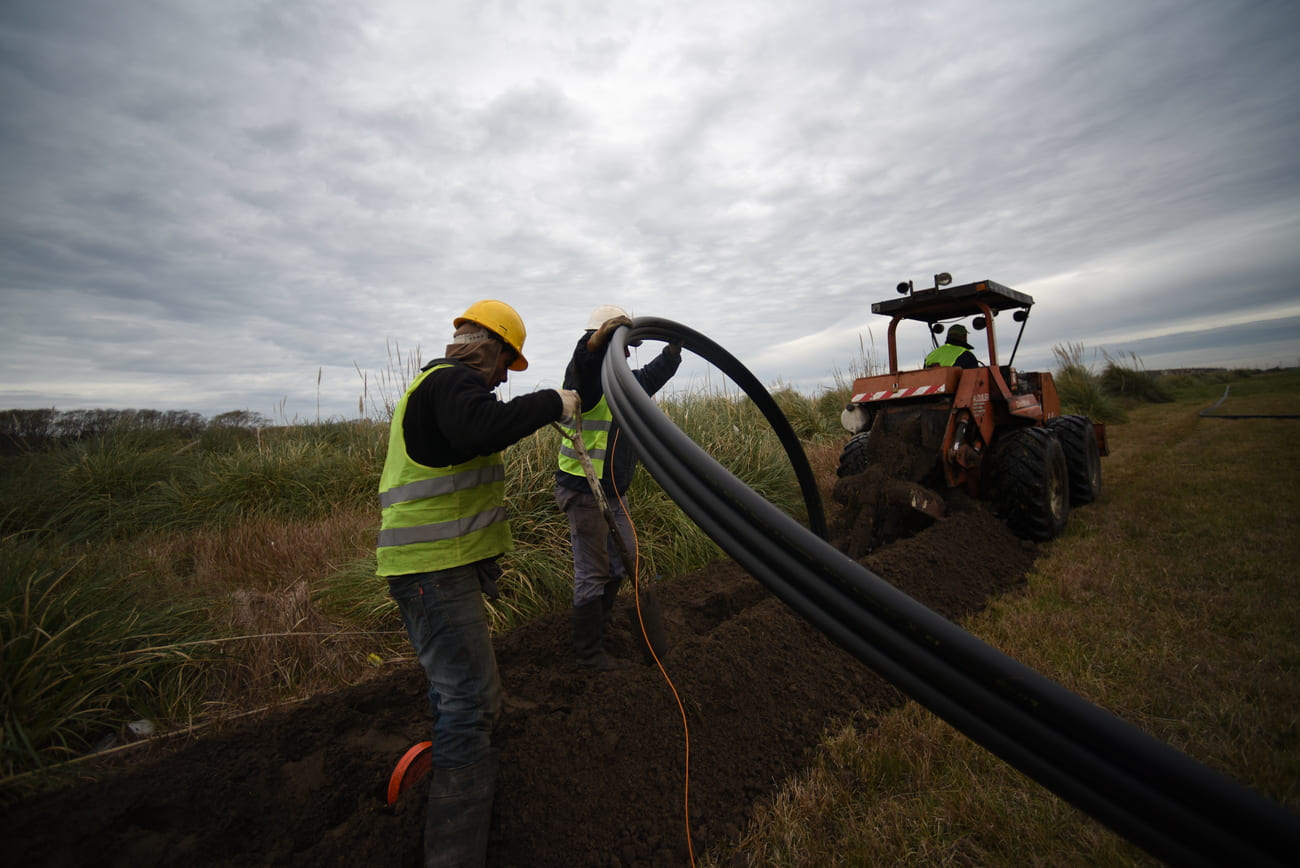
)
(593, 766)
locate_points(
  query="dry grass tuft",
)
(262, 581)
(287, 647)
(261, 553)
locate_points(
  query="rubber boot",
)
(460, 813)
(609, 598)
(588, 629)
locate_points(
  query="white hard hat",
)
(603, 313)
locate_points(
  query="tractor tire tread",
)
(1079, 442)
(853, 458)
(1029, 485)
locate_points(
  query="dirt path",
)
(592, 765)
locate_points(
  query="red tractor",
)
(991, 431)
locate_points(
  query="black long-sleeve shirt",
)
(583, 376)
(453, 416)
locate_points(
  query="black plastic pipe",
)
(1164, 801)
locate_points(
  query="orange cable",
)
(636, 594)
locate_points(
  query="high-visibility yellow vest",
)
(596, 423)
(436, 518)
(945, 355)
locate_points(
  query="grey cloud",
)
(1266, 332)
(526, 117)
(597, 56)
(277, 136)
(308, 32)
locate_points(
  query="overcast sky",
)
(250, 204)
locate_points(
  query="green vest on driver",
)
(945, 355)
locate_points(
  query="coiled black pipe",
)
(1164, 801)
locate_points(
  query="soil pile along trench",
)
(592, 765)
(889, 499)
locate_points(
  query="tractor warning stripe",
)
(887, 395)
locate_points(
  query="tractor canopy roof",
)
(935, 305)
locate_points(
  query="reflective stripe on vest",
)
(457, 527)
(439, 485)
(596, 423)
(946, 355)
(436, 518)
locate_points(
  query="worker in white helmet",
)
(597, 568)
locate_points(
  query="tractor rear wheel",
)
(1082, 457)
(853, 458)
(1030, 486)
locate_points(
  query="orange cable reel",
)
(410, 769)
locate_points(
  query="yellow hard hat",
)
(503, 321)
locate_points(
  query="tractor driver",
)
(955, 351)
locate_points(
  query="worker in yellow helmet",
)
(443, 527)
(597, 568)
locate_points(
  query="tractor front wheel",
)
(853, 458)
(1030, 485)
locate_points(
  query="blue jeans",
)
(447, 625)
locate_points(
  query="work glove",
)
(572, 404)
(601, 337)
(489, 571)
(673, 349)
